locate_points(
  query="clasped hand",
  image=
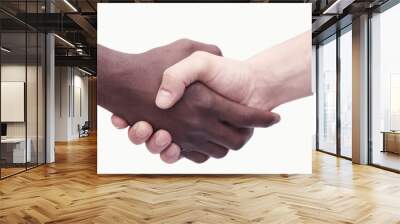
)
(186, 100)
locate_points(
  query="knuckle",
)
(215, 50)
(186, 44)
(169, 74)
(196, 121)
(183, 41)
(202, 62)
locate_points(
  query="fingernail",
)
(161, 141)
(163, 99)
(140, 131)
(277, 118)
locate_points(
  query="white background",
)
(240, 30)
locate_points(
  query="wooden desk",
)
(13, 150)
(391, 141)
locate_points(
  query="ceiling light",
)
(5, 50)
(84, 71)
(64, 40)
(338, 6)
(70, 5)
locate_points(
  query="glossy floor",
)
(387, 159)
(70, 191)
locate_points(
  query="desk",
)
(15, 148)
(391, 141)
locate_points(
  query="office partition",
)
(22, 77)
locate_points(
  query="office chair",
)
(84, 130)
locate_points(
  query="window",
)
(327, 95)
(346, 92)
(385, 89)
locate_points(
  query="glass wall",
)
(334, 65)
(346, 92)
(13, 91)
(327, 95)
(385, 89)
(22, 90)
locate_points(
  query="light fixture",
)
(337, 7)
(64, 40)
(70, 5)
(79, 51)
(5, 50)
(84, 71)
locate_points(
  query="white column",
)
(50, 99)
(50, 92)
(360, 90)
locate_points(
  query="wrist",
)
(284, 71)
(265, 85)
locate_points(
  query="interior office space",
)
(45, 87)
(358, 93)
(48, 78)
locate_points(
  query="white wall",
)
(70, 83)
(61, 103)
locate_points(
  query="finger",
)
(160, 140)
(118, 122)
(213, 150)
(211, 48)
(171, 154)
(140, 132)
(196, 157)
(197, 67)
(228, 136)
(240, 116)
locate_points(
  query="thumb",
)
(196, 67)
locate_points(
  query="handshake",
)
(186, 100)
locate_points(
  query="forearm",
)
(110, 64)
(284, 70)
(123, 83)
